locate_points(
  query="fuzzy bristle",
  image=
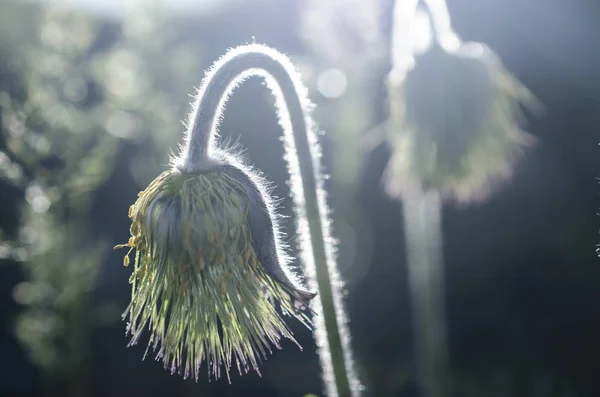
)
(197, 282)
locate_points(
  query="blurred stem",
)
(423, 234)
(422, 229)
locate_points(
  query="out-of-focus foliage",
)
(147, 76)
(347, 42)
(79, 95)
(56, 152)
(344, 32)
(54, 101)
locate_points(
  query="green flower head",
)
(210, 275)
(207, 272)
(460, 115)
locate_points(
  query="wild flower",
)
(210, 269)
(458, 122)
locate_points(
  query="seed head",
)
(207, 275)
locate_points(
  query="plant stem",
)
(312, 212)
(422, 224)
(303, 159)
(423, 234)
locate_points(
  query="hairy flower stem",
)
(311, 208)
(303, 156)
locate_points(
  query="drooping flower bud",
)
(207, 272)
(460, 114)
(210, 270)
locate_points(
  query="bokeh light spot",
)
(75, 90)
(332, 83)
(5, 251)
(38, 200)
(19, 254)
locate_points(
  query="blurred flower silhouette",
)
(207, 272)
(458, 113)
(454, 133)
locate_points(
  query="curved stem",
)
(440, 16)
(432, 20)
(303, 158)
(402, 48)
(440, 24)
